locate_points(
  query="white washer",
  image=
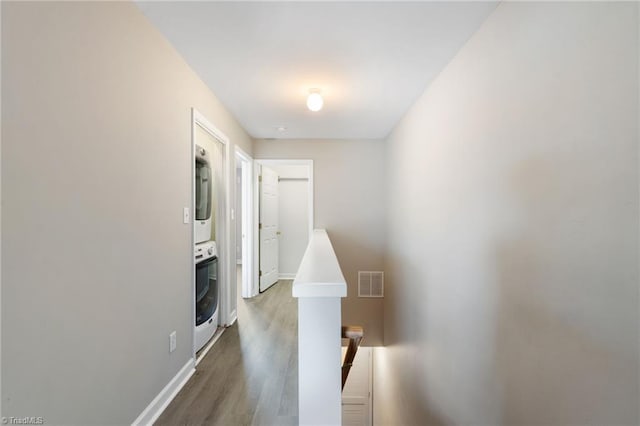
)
(207, 292)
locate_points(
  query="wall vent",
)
(370, 284)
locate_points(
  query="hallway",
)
(480, 157)
(250, 375)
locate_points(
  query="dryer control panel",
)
(205, 250)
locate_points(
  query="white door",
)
(293, 217)
(356, 395)
(268, 228)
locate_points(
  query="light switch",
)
(185, 215)
(233, 214)
(172, 341)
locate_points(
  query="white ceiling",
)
(370, 59)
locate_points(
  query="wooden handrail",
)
(354, 334)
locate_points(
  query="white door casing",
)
(227, 298)
(246, 236)
(268, 228)
(255, 235)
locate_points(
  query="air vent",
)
(370, 284)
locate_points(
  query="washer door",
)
(206, 289)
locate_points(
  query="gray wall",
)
(96, 168)
(513, 228)
(349, 187)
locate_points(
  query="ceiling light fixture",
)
(314, 100)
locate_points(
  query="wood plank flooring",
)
(250, 376)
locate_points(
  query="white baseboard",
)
(166, 395)
(285, 276)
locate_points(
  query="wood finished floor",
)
(250, 376)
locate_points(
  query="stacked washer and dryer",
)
(205, 252)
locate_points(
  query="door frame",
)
(256, 206)
(227, 315)
(246, 164)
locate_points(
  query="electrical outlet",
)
(172, 341)
(185, 215)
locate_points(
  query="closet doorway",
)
(284, 218)
(215, 144)
(243, 214)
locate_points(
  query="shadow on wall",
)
(401, 393)
(397, 272)
(566, 341)
(395, 400)
(533, 319)
(365, 312)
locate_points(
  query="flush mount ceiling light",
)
(314, 100)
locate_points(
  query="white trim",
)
(319, 274)
(256, 215)
(228, 265)
(155, 408)
(192, 260)
(248, 252)
(255, 285)
(371, 361)
(233, 317)
(200, 119)
(285, 276)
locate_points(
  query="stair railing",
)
(354, 334)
